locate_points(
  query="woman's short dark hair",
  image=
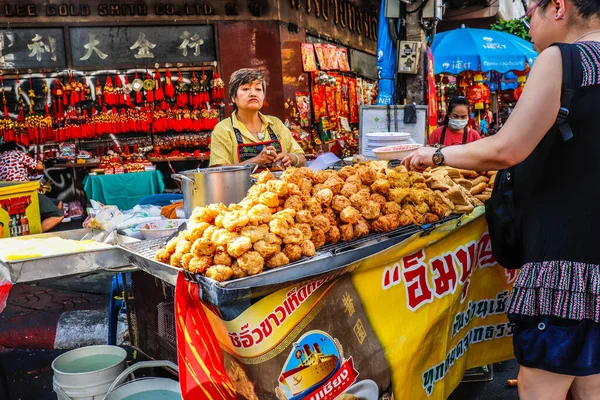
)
(455, 102)
(587, 8)
(9, 146)
(243, 77)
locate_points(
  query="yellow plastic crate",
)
(19, 209)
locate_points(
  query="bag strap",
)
(571, 81)
(465, 135)
(443, 135)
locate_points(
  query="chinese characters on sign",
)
(38, 47)
(143, 45)
(193, 42)
(90, 46)
(32, 48)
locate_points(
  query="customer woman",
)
(455, 129)
(555, 303)
(248, 136)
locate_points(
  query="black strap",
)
(465, 135)
(571, 81)
(443, 135)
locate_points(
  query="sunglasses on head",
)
(525, 18)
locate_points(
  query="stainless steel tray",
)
(328, 259)
(63, 264)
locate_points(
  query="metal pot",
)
(203, 186)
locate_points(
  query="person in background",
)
(15, 165)
(555, 301)
(455, 129)
(248, 136)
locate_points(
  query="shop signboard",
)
(405, 323)
(37, 48)
(116, 46)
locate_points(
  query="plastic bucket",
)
(87, 373)
(145, 388)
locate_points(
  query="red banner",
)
(5, 287)
(432, 109)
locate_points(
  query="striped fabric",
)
(563, 289)
(590, 60)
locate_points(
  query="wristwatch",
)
(438, 157)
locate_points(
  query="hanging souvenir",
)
(320, 51)
(127, 89)
(181, 90)
(98, 91)
(342, 57)
(87, 91)
(303, 105)
(478, 94)
(309, 64)
(119, 96)
(318, 99)
(353, 98)
(149, 88)
(332, 56)
(159, 94)
(521, 80)
(109, 92)
(78, 95)
(20, 101)
(194, 91)
(169, 88)
(218, 90)
(31, 95)
(137, 85)
(204, 89)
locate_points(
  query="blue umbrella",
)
(386, 60)
(467, 49)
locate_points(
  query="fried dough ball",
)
(273, 238)
(378, 198)
(172, 244)
(416, 217)
(303, 217)
(260, 214)
(239, 246)
(291, 176)
(183, 246)
(255, 233)
(175, 260)
(371, 210)
(163, 255)
(195, 232)
(278, 260)
(430, 218)
(293, 236)
(331, 215)
(359, 198)
(367, 175)
(346, 171)
(198, 265)
(325, 196)
(305, 185)
(361, 229)
(346, 232)
(256, 190)
(318, 238)
(293, 252)
(386, 223)
(279, 226)
(322, 175)
(305, 172)
(185, 260)
(203, 247)
(267, 250)
(305, 229)
(339, 203)
(381, 186)
(334, 183)
(294, 202)
(350, 215)
(391, 207)
(308, 248)
(219, 273)
(219, 221)
(280, 188)
(355, 180)
(269, 199)
(204, 214)
(222, 236)
(293, 189)
(332, 236)
(349, 189)
(222, 257)
(422, 208)
(398, 195)
(237, 271)
(406, 219)
(287, 215)
(314, 206)
(321, 222)
(235, 220)
(265, 176)
(416, 177)
(316, 188)
(209, 232)
(251, 262)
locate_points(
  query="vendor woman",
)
(248, 136)
(455, 129)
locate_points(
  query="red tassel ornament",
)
(218, 90)
(149, 88)
(169, 87)
(181, 90)
(159, 94)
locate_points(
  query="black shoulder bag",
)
(512, 187)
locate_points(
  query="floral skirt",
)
(555, 307)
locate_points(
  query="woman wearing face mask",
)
(455, 130)
(248, 136)
(555, 300)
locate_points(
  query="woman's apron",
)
(247, 151)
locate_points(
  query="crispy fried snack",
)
(195, 232)
(278, 187)
(479, 188)
(260, 214)
(269, 199)
(203, 247)
(265, 176)
(204, 214)
(331, 215)
(371, 210)
(381, 186)
(222, 236)
(378, 198)
(293, 252)
(219, 273)
(457, 196)
(346, 232)
(325, 196)
(349, 189)
(386, 223)
(322, 223)
(185, 260)
(239, 246)
(346, 171)
(278, 260)
(267, 249)
(398, 195)
(255, 233)
(430, 218)
(350, 215)
(361, 229)
(198, 265)
(398, 179)
(314, 206)
(467, 184)
(422, 208)
(279, 227)
(391, 207)
(355, 180)
(222, 257)
(287, 214)
(367, 175)
(305, 229)
(322, 175)
(172, 244)
(308, 248)
(304, 217)
(334, 183)
(251, 262)
(318, 238)
(235, 220)
(163, 255)
(183, 246)
(237, 271)
(209, 232)
(332, 236)
(293, 236)
(359, 198)
(294, 202)
(305, 185)
(339, 203)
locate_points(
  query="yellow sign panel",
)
(19, 209)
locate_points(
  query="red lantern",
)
(479, 93)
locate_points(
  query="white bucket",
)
(145, 388)
(88, 372)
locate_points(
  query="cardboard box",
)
(19, 209)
